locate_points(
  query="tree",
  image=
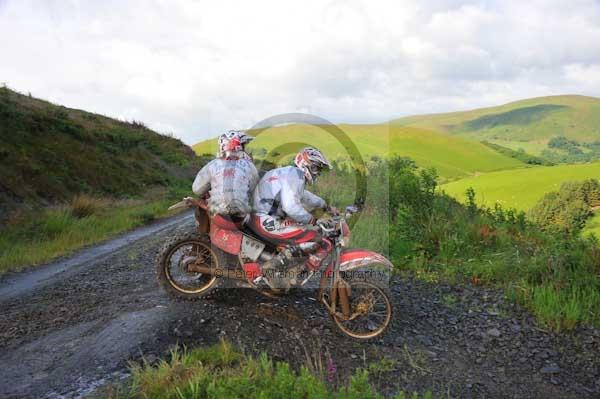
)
(569, 208)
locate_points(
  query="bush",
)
(568, 209)
(138, 125)
(563, 150)
(563, 143)
(84, 205)
(521, 155)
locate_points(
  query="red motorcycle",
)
(350, 283)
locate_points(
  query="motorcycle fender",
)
(202, 220)
(229, 241)
(355, 258)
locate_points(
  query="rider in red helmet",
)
(231, 177)
(283, 206)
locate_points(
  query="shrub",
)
(569, 208)
(563, 150)
(520, 154)
(563, 143)
(138, 125)
(84, 205)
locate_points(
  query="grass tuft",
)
(83, 205)
(222, 372)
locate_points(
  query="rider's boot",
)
(273, 272)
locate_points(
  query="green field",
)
(520, 188)
(573, 116)
(592, 226)
(452, 156)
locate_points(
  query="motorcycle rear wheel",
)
(174, 266)
(372, 298)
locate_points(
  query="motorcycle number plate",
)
(251, 248)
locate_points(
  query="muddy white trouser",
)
(280, 229)
(286, 230)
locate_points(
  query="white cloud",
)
(198, 67)
(584, 75)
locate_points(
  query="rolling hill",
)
(521, 188)
(50, 153)
(452, 156)
(532, 120)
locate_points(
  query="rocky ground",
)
(81, 328)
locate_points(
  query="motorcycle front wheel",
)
(175, 266)
(370, 308)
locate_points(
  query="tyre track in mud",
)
(82, 327)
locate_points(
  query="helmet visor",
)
(315, 169)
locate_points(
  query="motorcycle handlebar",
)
(332, 211)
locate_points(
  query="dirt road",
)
(70, 326)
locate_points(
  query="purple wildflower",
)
(331, 370)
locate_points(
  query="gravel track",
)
(82, 327)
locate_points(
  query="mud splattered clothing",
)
(283, 206)
(230, 182)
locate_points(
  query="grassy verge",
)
(43, 235)
(555, 275)
(222, 372)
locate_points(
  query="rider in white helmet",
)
(282, 205)
(231, 177)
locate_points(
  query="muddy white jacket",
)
(281, 193)
(231, 183)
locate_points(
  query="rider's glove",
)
(326, 224)
(332, 210)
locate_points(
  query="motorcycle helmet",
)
(311, 161)
(233, 143)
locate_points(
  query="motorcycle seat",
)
(229, 222)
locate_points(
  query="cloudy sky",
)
(195, 68)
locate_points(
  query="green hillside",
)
(536, 119)
(50, 153)
(452, 156)
(520, 188)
